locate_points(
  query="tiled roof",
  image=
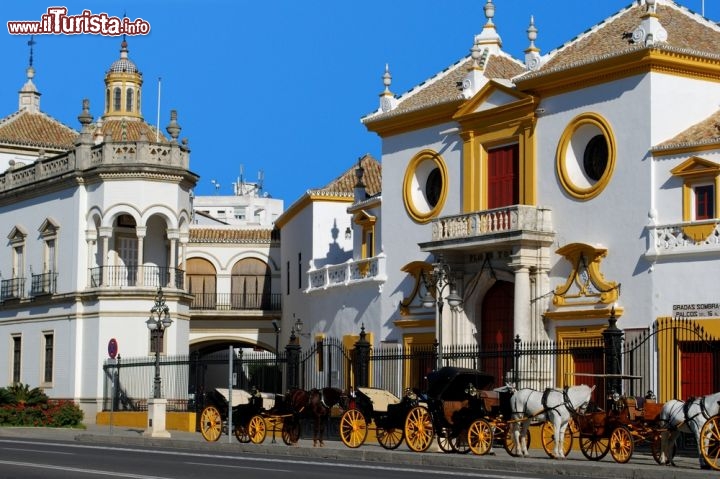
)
(37, 130)
(130, 130)
(445, 86)
(686, 31)
(233, 235)
(705, 132)
(344, 185)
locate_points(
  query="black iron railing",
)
(45, 283)
(236, 301)
(12, 288)
(143, 276)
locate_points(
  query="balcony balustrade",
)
(137, 276)
(236, 301)
(353, 271)
(45, 283)
(683, 239)
(495, 222)
(12, 289)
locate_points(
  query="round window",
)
(586, 156)
(425, 186)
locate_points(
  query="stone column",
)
(141, 231)
(521, 323)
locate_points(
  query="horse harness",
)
(544, 401)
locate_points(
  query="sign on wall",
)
(696, 310)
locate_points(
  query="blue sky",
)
(276, 85)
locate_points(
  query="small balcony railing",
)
(137, 276)
(12, 289)
(510, 219)
(45, 283)
(687, 238)
(235, 301)
(353, 271)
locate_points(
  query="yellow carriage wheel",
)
(548, 439)
(210, 423)
(621, 444)
(419, 429)
(480, 437)
(710, 441)
(353, 428)
(257, 429)
(389, 438)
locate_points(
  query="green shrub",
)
(22, 406)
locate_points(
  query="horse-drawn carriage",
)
(379, 408)
(253, 413)
(628, 421)
(458, 408)
(247, 409)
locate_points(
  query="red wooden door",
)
(503, 184)
(590, 361)
(696, 365)
(496, 329)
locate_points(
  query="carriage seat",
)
(380, 398)
(491, 401)
(451, 407)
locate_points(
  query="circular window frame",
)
(568, 180)
(416, 175)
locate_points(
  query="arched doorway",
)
(496, 331)
(202, 281)
(250, 284)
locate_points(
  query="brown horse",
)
(314, 404)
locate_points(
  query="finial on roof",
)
(532, 53)
(489, 12)
(489, 37)
(387, 99)
(29, 96)
(476, 54)
(650, 5)
(85, 118)
(173, 127)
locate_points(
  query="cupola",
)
(123, 86)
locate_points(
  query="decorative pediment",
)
(493, 95)
(17, 235)
(49, 227)
(585, 284)
(364, 219)
(696, 167)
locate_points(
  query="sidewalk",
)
(641, 465)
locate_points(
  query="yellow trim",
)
(367, 223)
(414, 323)
(571, 188)
(693, 171)
(567, 337)
(413, 120)
(484, 130)
(637, 62)
(416, 270)
(174, 421)
(584, 314)
(410, 374)
(410, 206)
(588, 257)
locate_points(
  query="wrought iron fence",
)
(674, 359)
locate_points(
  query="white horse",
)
(680, 416)
(557, 406)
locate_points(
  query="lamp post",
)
(157, 323)
(438, 280)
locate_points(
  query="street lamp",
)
(438, 280)
(157, 323)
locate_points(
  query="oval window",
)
(425, 186)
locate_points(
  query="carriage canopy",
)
(450, 383)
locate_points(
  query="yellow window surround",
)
(693, 171)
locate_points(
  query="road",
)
(31, 458)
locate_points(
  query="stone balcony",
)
(492, 228)
(347, 274)
(671, 241)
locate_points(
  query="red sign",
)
(112, 348)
